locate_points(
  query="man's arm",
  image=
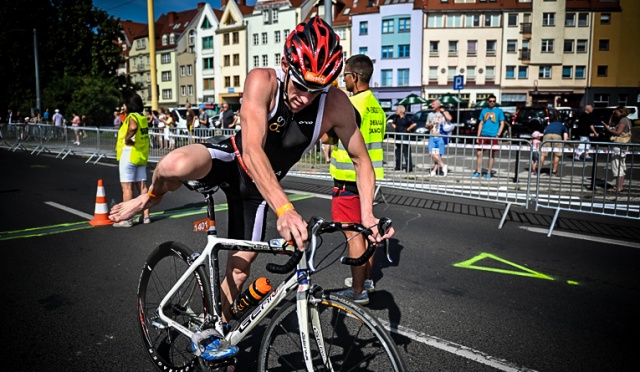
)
(259, 92)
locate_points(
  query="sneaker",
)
(488, 176)
(445, 170)
(534, 172)
(476, 175)
(368, 284)
(350, 293)
(213, 348)
(433, 173)
(126, 223)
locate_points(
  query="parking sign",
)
(458, 82)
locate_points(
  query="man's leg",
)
(479, 161)
(356, 249)
(398, 156)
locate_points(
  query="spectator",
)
(117, 122)
(555, 131)
(490, 126)
(75, 123)
(401, 124)
(535, 151)
(132, 153)
(345, 204)
(621, 133)
(436, 121)
(58, 122)
(226, 117)
(203, 118)
(250, 165)
(83, 124)
(45, 116)
(585, 128)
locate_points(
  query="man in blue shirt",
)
(491, 124)
(555, 131)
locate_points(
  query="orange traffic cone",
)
(100, 216)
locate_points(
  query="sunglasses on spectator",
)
(492, 101)
(351, 73)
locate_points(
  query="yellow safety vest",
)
(372, 127)
(140, 150)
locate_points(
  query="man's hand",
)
(372, 223)
(291, 226)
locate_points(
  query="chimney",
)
(201, 5)
(172, 17)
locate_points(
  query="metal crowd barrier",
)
(578, 186)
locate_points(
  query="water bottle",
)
(250, 297)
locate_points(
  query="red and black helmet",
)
(314, 54)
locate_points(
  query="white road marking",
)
(583, 237)
(321, 196)
(70, 210)
(457, 349)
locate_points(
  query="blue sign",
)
(458, 82)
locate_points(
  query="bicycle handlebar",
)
(318, 226)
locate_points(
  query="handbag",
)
(623, 138)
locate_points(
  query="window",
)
(404, 25)
(227, 60)
(435, 20)
(236, 59)
(207, 42)
(570, 20)
(471, 73)
(386, 78)
(165, 58)
(266, 16)
(227, 81)
(433, 47)
(403, 77)
(510, 72)
(605, 18)
(492, 46)
(387, 51)
(207, 63)
(544, 72)
(581, 46)
(490, 73)
(491, 20)
(472, 47)
(512, 46)
(364, 28)
(603, 71)
(256, 61)
(433, 73)
(277, 59)
(547, 46)
(183, 71)
(583, 19)
(451, 72)
(166, 94)
(387, 26)
(603, 44)
(363, 50)
(206, 24)
(472, 20)
(548, 19)
(274, 15)
(236, 37)
(453, 47)
(256, 39)
(265, 38)
(404, 51)
(601, 100)
(567, 72)
(190, 90)
(166, 75)
(192, 37)
(236, 80)
(512, 20)
(189, 70)
(523, 72)
(225, 39)
(265, 60)
(164, 39)
(208, 83)
(277, 37)
(568, 46)
(581, 72)
(454, 20)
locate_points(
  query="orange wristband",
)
(287, 207)
(153, 196)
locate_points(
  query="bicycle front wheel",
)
(169, 349)
(353, 340)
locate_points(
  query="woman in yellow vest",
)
(345, 204)
(132, 153)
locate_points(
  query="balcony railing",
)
(525, 54)
(525, 28)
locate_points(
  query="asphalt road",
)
(465, 296)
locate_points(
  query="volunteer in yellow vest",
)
(132, 153)
(345, 204)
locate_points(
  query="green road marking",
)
(34, 232)
(469, 264)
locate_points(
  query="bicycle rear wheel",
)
(353, 340)
(168, 348)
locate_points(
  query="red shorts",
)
(345, 206)
(486, 141)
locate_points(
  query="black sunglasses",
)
(351, 73)
(492, 101)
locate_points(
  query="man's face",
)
(435, 105)
(588, 109)
(225, 107)
(492, 102)
(349, 78)
(299, 96)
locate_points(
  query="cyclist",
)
(284, 113)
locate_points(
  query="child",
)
(535, 148)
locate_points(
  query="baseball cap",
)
(536, 134)
(57, 110)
